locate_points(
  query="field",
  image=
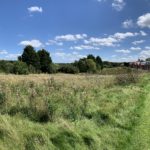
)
(74, 112)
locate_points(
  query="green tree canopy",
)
(20, 68)
(91, 65)
(30, 57)
(90, 56)
(148, 59)
(99, 62)
(45, 60)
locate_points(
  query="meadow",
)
(74, 112)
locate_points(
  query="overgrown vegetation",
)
(32, 61)
(70, 111)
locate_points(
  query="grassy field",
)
(74, 112)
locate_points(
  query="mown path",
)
(140, 138)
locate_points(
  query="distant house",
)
(145, 65)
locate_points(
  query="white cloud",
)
(143, 33)
(70, 37)
(128, 24)
(124, 51)
(138, 42)
(121, 36)
(111, 40)
(144, 21)
(145, 54)
(53, 42)
(147, 47)
(84, 47)
(135, 48)
(35, 9)
(67, 57)
(3, 52)
(118, 4)
(34, 43)
(12, 56)
(101, 0)
(113, 56)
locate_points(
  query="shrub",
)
(32, 69)
(91, 66)
(124, 79)
(52, 68)
(69, 69)
(6, 66)
(20, 68)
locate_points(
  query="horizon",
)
(115, 30)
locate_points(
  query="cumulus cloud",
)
(12, 56)
(118, 4)
(70, 37)
(35, 9)
(147, 47)
(121, 36)
(61, 56)
(143, 33)
(34, 43)
(128, 23)
(111, 40)
(145, 54)
(124, 51)
(53, 42)
(84, 47)
(144, 21)
(3, 52)
(101, 0)
(138, 42)
(135, 48)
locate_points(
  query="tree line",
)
(32, 61)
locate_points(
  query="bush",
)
(69, 69)
(20, 68)
(6, 66)
(91, 66)
(52, 68)
(124, 79)
(32, 69)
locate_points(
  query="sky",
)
(115, 30)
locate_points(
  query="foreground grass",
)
(41, 112)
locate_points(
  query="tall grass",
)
(66, 112)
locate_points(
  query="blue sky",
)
(116, 30)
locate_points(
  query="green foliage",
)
(6, 66)
(82, 65)
(99, 63)
(20, 68)
(66, 140)
(69, 69)
(30, 57)
(45, 61)
(90, 56)
(148, 59)
(125, 79)
(91, 66)
(73, 112)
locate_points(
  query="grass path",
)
(140, 139)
